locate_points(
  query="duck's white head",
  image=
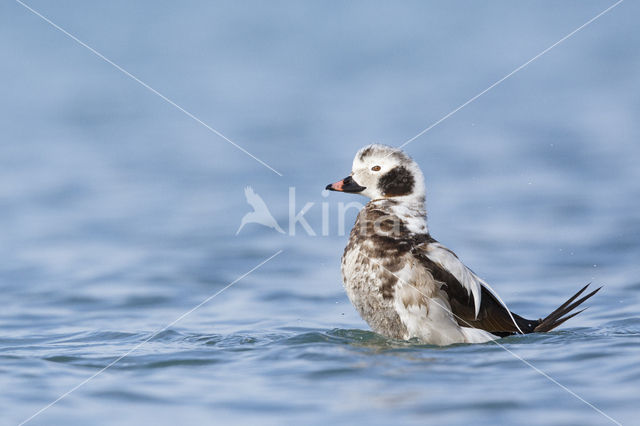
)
(384, 172)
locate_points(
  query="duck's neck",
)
(411, 211)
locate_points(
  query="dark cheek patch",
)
(397, 182)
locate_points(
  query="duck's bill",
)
(346, 185)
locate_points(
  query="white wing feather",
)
(444, 257)
(441, 255)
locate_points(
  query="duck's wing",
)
(473, 302)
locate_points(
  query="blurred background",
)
(118, 212)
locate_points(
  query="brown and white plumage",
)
(404, 283)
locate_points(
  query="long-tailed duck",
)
(404, 283)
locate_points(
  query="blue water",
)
(118, 212)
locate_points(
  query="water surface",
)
(118, 213)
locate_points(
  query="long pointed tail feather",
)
(563, 312)
(564, 307)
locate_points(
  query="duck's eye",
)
(376, 168)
